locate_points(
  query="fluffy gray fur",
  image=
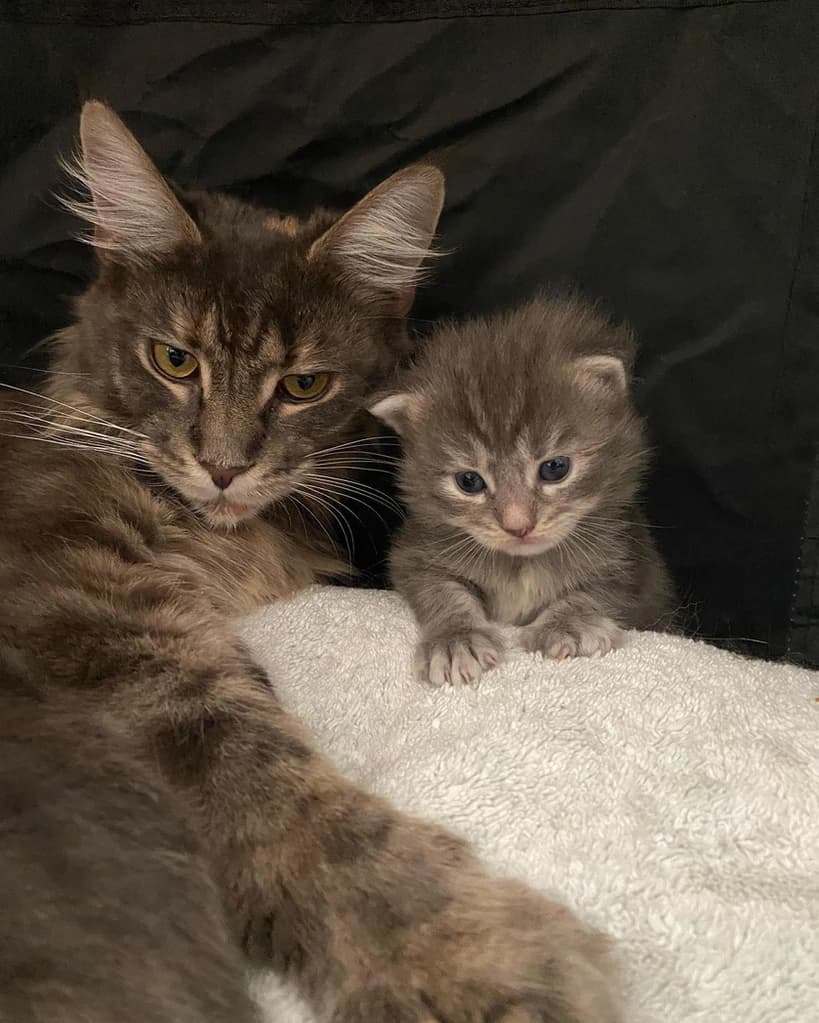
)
(557, 567)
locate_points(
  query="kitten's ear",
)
(381, 243)
(134, 213)
(397, 411)
(604, 370)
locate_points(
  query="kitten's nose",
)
(223, 475)
(517, 521)
(519, 533)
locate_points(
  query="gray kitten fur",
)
(556, 567)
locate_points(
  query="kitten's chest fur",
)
(517, 590)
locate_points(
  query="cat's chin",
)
(527, 548)
(223, 514)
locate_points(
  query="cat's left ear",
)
(604, 371)
(380, 245)
(397, 411)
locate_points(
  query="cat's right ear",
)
(398, 411)
(381, 244)
(133, 212)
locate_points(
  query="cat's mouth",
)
(528, 546)
(221, 511)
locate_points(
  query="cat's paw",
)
(475, 949)
(459, 659)
(587, 637)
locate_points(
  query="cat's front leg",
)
(574, 626)
(458, 642)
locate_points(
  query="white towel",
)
(668, 792)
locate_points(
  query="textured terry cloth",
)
(668, 792)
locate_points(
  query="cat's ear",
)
(606, 371)
(381, 244)
(398, 411)
(133, 212)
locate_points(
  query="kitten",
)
(521, 465)
(220, 356)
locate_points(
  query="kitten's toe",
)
(458, 660)
(563, 648)
(599, 637)
(432, 664)
(593, 637)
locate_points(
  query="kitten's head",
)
(517, 428)
(237, 343)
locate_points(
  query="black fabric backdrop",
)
(660, 154)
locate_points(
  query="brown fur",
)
(499, 397)
(143, 721)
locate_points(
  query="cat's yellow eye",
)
(175, 363)
(304, 386)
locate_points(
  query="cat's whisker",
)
(294, 496)
(96, 448)
(58, 417)
(356, 487)
(44, 372)
(361, 442)
(80, 412)
(46, 424)
(365, 458)
(335, 495)
(313, 493)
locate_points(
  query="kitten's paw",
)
(588, 637)
(459, 660)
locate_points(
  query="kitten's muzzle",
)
(517, 520)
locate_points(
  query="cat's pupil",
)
(177, 357)
(555, 469)
(470, 482)
(306, 382)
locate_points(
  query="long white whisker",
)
(64, 428)
(62, 404)
(356, 487)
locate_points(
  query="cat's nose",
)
(519, 533)
(223, 475)
(517, 521)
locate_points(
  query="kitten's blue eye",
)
(470, 482)
(553, 470)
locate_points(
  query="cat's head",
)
(518, 428)
(232, 343)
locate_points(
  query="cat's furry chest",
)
(519, 590)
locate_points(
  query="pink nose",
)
(519, 533)
(517, 521)
(222, 475)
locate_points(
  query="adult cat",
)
(155, 796)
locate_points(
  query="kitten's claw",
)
(458, 660)
(592, 637)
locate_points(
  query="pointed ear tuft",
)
(607, 370)
(396, 410)
(134, 213)
(381, 244)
